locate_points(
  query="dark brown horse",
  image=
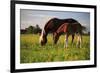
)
(53, 26)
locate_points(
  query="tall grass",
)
(31, 51)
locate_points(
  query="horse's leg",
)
(72, 38)
(77, 45)
(53, 36)
(79, 40)
(66, 41)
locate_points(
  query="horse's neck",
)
(44, 33)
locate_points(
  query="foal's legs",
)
(66, 41)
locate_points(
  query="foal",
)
(69, 29)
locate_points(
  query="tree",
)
(30, 29)
(37, 29)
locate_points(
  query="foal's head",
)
(43, 38)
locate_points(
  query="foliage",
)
(31, 30)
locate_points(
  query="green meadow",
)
(31, 51)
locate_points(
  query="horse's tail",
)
(83, 28)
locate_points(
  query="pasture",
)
(31, 51)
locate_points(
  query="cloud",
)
(33, 17)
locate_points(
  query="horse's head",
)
(55, 37)
(43, 38)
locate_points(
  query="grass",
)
(31, 51)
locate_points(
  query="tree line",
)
(31, 30)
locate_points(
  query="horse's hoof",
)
(65, 46)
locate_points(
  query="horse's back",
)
(53, 24)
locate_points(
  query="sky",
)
(41, 17)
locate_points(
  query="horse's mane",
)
(49, 22)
